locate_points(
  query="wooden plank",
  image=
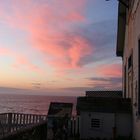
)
(23, 120)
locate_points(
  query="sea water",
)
(31, 104)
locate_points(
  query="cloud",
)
(57, 33)
(4, 51)
(109, 70)
(72, 17)
(60, 31)
(40, 23)
(20, 61)
(107, 76)
(111, 79)
(23, 63)
(45, 91)
(75, 91)
(36, 85)
(102, 36)
(63, 36)
(111, 82)
(10, 90)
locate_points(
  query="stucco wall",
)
(131, 47)
(108, 121)
(136, 33)
(124, 124)
(106, 127)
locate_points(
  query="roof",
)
(59, 109)
(104, 105)
(121, 29)
(113, 94)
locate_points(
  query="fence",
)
(17, 126)
(31, 132)
(12, 122)
(74, 126)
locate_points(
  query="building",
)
(60, 109)
(103, 116)
(111, 94)
(128, 47)
(59, 120)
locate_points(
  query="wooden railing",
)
(17, 126)
(74, 126)
(10, 122)
(31, 132)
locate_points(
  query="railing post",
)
(9, 122)
(44, 131)
(71, 127)
(78, 123)
(74, 123)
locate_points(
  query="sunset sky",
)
(58, 47)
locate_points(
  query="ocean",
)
(32, 104)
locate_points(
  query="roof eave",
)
(121, 30)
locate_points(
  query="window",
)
(130, 77)
(139, 77)
(95, 123)
(124, 95)
(130, 62)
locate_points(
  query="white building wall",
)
(125, 56)
(108, 121)
(124, 124)
(136, 37)
(131, 46)
(106, 129)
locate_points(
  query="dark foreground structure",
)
(96, 115)
(15, 126)
(104, 115)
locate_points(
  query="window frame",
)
(138, 76)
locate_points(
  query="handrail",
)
(42, 126)
(15, 125)
(11, 122)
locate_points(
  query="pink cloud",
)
(106, 82)
(4, 51)
(47, 27)
(73, 17)
(20, 60)
(24, 63)
(80, 48)
(110, 70)
(69, 57)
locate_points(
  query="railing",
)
(74, 126)
(16, 126)
(11, 122)
(31, 132)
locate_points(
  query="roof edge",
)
(121, 29)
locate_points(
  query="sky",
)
(58, 47)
